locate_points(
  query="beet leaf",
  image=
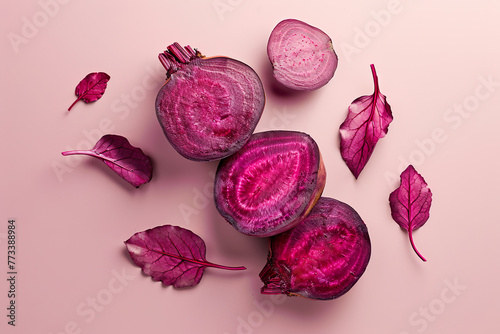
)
(91, 88)
(410, 203)
(124, 159)
(367, 121)
(171, 254)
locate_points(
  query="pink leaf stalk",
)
(410, 203)
(91, 88)
(129, 162)
(367, 121)
(171, 254)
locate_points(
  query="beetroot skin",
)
(209, 107)
(271, 184)
(322, 257)
(302, 55)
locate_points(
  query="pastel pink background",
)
(430, 56)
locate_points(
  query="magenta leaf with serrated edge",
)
(367, 121)
(410, 203)
(171, 254)
(91, 88)
(124, 159)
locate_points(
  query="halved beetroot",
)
(302, 55)
(271, 184)
(322, 257)
(209, 107)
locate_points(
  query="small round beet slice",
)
(302, 55)
(322, 257)
(271, 184)
(209, 107)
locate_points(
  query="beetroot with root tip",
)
(209, 107)
(271, 184)
(322, 257)
(302, 55)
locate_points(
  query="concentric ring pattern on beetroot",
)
(322, 257)
(271, 184)
(209, 107)
(302, 56)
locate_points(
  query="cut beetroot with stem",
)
(209, 107)
(271, 184)
(302, 55)
(322, 257)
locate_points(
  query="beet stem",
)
(175, 56)
(82, 152)
(179, 53)
(200, 262)
(165, 62)
(271, 279)
(210, 264)
(78, 99)
(413, 245)
(375, 78)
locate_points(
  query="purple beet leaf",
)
(410, 203)
(367, 121)
(91, 88)
(124, 159)
(171, 254)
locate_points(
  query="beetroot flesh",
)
(209, 107)
(271, 184)
(320, 258)
(302, 55)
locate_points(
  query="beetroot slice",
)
(302, 55)
(209, 107)
(322, 257)
(271, 184)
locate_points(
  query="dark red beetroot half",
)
(320, 258)
(271, 184)
(209, 107)
(302, 55)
